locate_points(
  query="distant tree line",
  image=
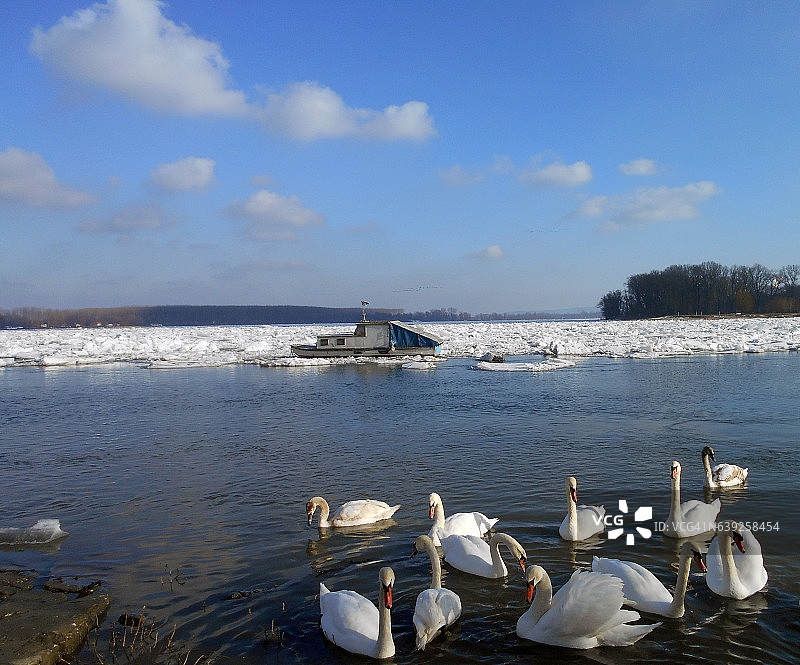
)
(212, 315)
(707, 288)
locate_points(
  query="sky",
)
(490, 156)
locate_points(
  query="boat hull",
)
(311, 351)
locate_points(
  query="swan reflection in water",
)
(330, 541)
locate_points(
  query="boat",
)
(373, 338)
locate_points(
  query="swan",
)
(463, 524)
(722, 475)
(585, 613)
(352, 622)
(689, 518)
(641, 588)
(352, 513)
(437, 609)
(581, 522)
(737, 574)
(474, 555)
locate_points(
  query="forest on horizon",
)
(705, 289)
(213, 315)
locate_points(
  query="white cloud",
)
(456, 176)
(639, 167)
(25, 177)
(274, 217)
(132, 49)
(308, 111)
(649, 205)
(492, 253)
(559, 175)
(262, 180)
(190, 173)
(127, 220)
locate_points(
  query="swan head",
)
(734, 530)
(708, 451)
(694, 551)
(311, 506)
(386, 577)
(572, 489)
(433, 500)
(533, 576)
(420, 544)
(676, 471)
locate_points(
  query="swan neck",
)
(572, 513)
(542, 599)
(729, 572)
(707, 466)
(498, 567)
(384, 647)
(438, 514)
(675, 514)
(436, 565)
(682, 581)
(324, 511)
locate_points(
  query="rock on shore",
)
(46, 625)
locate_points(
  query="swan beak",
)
(310, 516)
(700, 563)
(674, 472)
(712, 454)
(529, 593)
(387, 596)
(430, 512)
(522, 563)
(414, 550)
(737, 538)
(574, 494)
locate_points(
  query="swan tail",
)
(323, 589)
(626, 634)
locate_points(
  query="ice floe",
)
(214, 346)
(41, 533)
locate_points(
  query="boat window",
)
(323, 341)
(340, 341)
(361, 331)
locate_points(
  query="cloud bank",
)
(639, 167)
(131, 49)
(647, 206)
(25, 177)
(559, 175)
(188, 174)
(274, 217)
(127, 221)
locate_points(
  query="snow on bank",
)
(269, 345)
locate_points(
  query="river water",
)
(180, 488)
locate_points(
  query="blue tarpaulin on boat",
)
(402, 336)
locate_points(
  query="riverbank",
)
(46, 624)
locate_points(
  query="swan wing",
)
(467, 553)
(699, 517)
(350, 621)
(729, 474)
(750, 563)
(468, 524)
(435, 610)
(639, 586)
(590, 521)
(586, 606)
(362, 511)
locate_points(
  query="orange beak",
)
(387, 596)
(430, 512)
(529, 593)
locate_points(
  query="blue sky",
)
(487, 156)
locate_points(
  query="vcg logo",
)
(643, 514)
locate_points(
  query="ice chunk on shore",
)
(44, 531)
(543, 366)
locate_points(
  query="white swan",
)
(437, 609)
(585, 613)
(352, 513)
(462, 524)
(642, 589)
(722, 475)
(737, 574)
(352, 622)
(474, 555)
(581, 522)
(689, 518)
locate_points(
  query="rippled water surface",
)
(182, 487)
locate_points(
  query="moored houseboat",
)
(372, 338)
